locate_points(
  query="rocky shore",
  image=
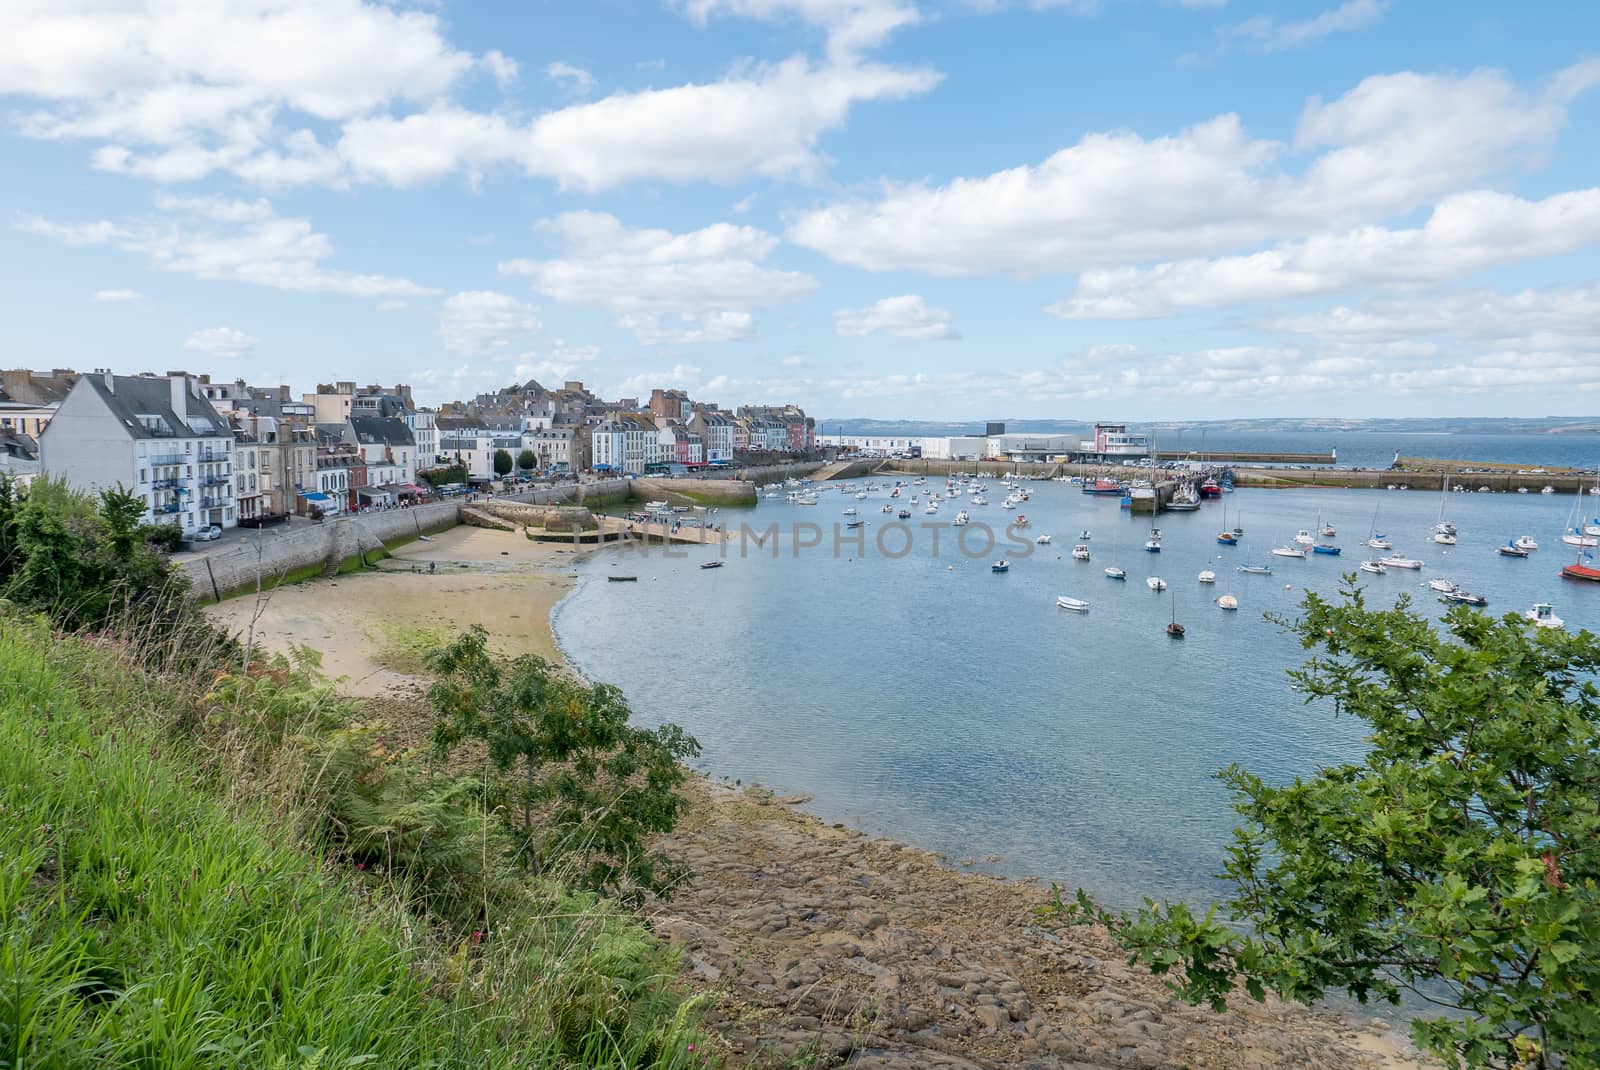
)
(826, 947)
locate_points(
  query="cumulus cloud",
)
(224, 343)
(574, 80)
(229, 241)
(905, 316)
(478, 322)
(700, 286)
(851, 25)
(1268, 34)
(1392, 143)
(107, 296)
(1465, 233)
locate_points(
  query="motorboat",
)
(1102, 486)
(1443, 586)
(1375, 567)
(978, 499)
(1077, 605)
(887, 509)
(861, 496)
(855, 523)
(1444, 538)
(711, 564)
(1042, 540)
(1114, 573)
(1021, 521)
(961, 518)
(1466, 598)
(903, 514)
(1156, 583)
(805, 499)
(850, 511)
(1255, 570)
(1001, 565)
(1303, 537)
(1543, 615)
(931, 510)
(1511, 549)
(1326, 548)
(1206, 576)
(1547, 489)
(1526, 542)
(1153, 543)
(1289, 551)
(1228, 602)
(1578, 570)
(1399, 561)
(1080, 552)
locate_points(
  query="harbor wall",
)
(694, 491)
(929, 466)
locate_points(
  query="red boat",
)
(1102, 486)
(1211, 489)
(1579, 571)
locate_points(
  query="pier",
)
(1227, 457)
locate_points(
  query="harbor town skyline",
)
(936, 210)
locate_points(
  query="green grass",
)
(405, 648)
(160, 907)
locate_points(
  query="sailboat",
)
(1327, 531)
(1175, 629)
(1376, 539)
(1443, 531)
(1226, 536)
(1577, 534)
(1112, 571)
(1228, 602)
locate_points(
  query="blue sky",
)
(939, 209)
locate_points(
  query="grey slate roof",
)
(371, 430)
(137, 396)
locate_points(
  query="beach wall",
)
(695, 491)
(279, 552)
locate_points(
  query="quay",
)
(1234, 457)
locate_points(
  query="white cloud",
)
(745, 203)
(391, 305)
(851, 25)
(555, 364)
(478, 322)
(667, 288)
(905, 316)
(1530, 319)
(793, 361)
(1267, 34)
(574, 80)
(501, 67)
(1464, 233)
(265, 250)
(224, 343)
(116, 295)
(1390, 144)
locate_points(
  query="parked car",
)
(206, 532)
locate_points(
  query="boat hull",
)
(1581, 572)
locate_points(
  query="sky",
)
(920, 209)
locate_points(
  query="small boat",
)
(711, 564)
(861, 496)
(1228, 602)
(1080, 552)
(805, 499)
(1443, 586)
(903, 514)
(1526, 542)
(1152, 545)
(1042, 540)
(1227, 538)
(1021, 521)
(1114, 573)
(978, 499)
(855, 524)
(1444, 538)
(1398, 561)
(1102, 486)
(1077, 605)
(1255, 570)
(1303, 537)
(1579, 537)
(850, 511)
(1083, 536)
(425, 538)
(1511, 549)
(1206, 576)
(1375, 567)
(1580, 571)
(931, 510)
(1289, 551)
(962, 518)
(1378, 542)
(1211, 489)
(1466, 598)
(1543, 615)
(1326, 548)
(1156, 583)
(887, 509)
(1175, 629)
(1001, 565)
(622, 579)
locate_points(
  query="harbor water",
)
(921, 696)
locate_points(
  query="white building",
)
(610, 447)
(156, 436)
(426, 436)
(386, 442)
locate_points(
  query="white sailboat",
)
(1375, 538)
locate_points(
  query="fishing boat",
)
(1375, 567)
(1228, 602)
(1466, 598)
(1526, 542)
(1375, 538)
(1582, 569)
(1206, 576)
(1102, 486)
(1080, 552)
(1326, 548)
(1077, 605)
(1001, 565)
(1543, 615)
(1211, 489)
(1443, 586)
(1255, 570)
(887, 509)
(1547, 489)
(1156, 583)
(711, 564)
(1186, 499)
(622, 579)
(1401, 561)
(1175, 629)
(1043, 540)
(1152, 545)
(1289, 551)
(1115, 573)
(1511, 549)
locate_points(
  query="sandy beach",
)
(819, 945)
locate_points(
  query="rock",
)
(993, 1017)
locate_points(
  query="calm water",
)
(1362, 449)
(962, 711)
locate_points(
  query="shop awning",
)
(316, 496)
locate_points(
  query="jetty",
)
(1236, 457)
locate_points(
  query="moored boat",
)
(1543, 615)
(711, 564)
(1444, 538)
(1375, 567)
(1443, 586)
(1043, 540)
(1401, 561)
(1289, 551)
(1077, 605)
(1511, 549)
(1115, 573)
(1526, 542)
(1466, 598)
(1325, 548)
(1581, 570)
(1255, 570)
(1001, 565)
(1228, 602)
(1206, 576)
(1080, 552)
(1155, 583)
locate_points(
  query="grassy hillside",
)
(242, 876)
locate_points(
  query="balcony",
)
(214, 503)
(167, 458)
(162, 510)
(164, 484)
(215, 481)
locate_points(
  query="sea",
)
(913, 693)
(1377, 449)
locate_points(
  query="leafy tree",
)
(122, 512)
(1460, 860)
(577, 784)
(527, 461)
(438, 477)
(502, 463)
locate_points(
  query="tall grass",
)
(185, 881)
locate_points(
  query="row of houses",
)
(206, 453)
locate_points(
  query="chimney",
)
(111, 380)
(179, 387)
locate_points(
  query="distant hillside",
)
(1544, 425)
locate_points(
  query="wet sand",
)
(497, 579)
